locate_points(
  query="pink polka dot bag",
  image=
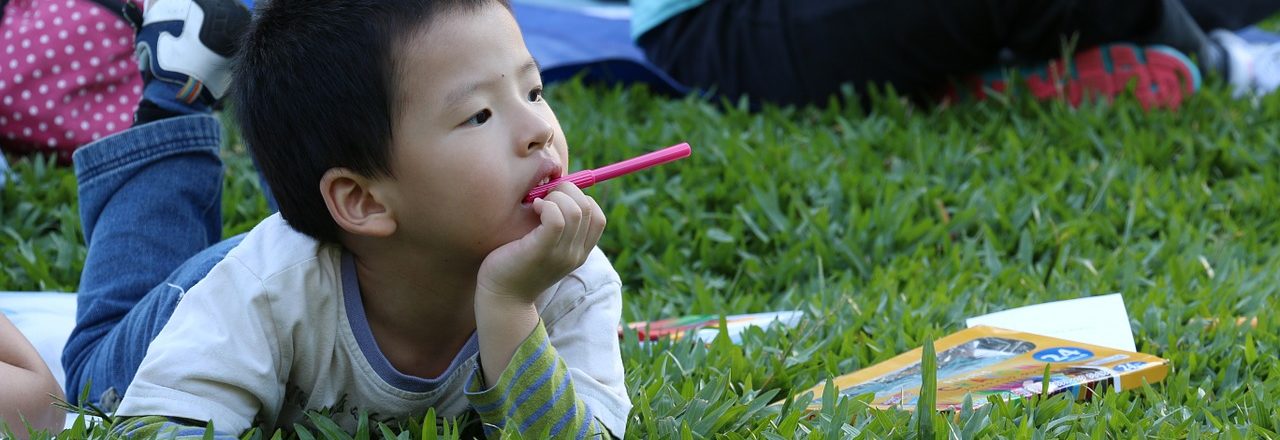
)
(67, 74)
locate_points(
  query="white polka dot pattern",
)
(67, 77)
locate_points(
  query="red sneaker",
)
(1162, 77)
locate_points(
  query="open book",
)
(989, 362)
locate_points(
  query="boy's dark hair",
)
(313, 89)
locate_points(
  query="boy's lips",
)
(548, 171)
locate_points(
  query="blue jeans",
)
(150, 206)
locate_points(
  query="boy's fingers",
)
(588, 207)
(568, 188)
(571, 216)
(552, 228)
(597, 224)
(583, 200)
(582, 211)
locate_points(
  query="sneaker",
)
(1252, 69)
(184, 50)
(1160, 75)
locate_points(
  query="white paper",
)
(1098, 320)
(737, 324)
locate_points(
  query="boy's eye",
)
(535, 95)
(480, 117)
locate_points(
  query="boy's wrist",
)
(490, 299)
(507, 317)
(502, 322)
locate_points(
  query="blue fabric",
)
(150, 206)
(4, 171)
(648, 14)
(1255, 35)
(568, 41)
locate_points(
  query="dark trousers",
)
(802, 51)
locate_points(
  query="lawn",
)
(888, 226)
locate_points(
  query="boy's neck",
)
(420, 309)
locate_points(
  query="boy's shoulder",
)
(273, 247)
(273, 264)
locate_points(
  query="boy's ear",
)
(354, 205)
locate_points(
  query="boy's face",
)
(472, 135)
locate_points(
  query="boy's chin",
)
(526, 226)
(519, 229)
(514, 229)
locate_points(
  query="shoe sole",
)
(224, 21)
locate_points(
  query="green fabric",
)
(648, 14)
(534, 395)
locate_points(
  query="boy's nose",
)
(538, 132)
(541, 140)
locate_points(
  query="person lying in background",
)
(804, 51)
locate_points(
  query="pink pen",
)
(586, 178)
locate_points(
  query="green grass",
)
(889, 226)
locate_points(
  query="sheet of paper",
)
(737, 324)
(1098, 320)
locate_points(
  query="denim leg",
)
(150, 199)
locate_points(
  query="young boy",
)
(403, 272)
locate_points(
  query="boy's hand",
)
(571, 225)
(513, 275)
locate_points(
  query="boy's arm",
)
(533, 390)
(534, 396)
(580, 318)
(581, 328)
(582, 323)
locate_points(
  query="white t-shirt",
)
(278, 328)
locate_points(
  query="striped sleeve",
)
(149, 427)
(534, 396)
